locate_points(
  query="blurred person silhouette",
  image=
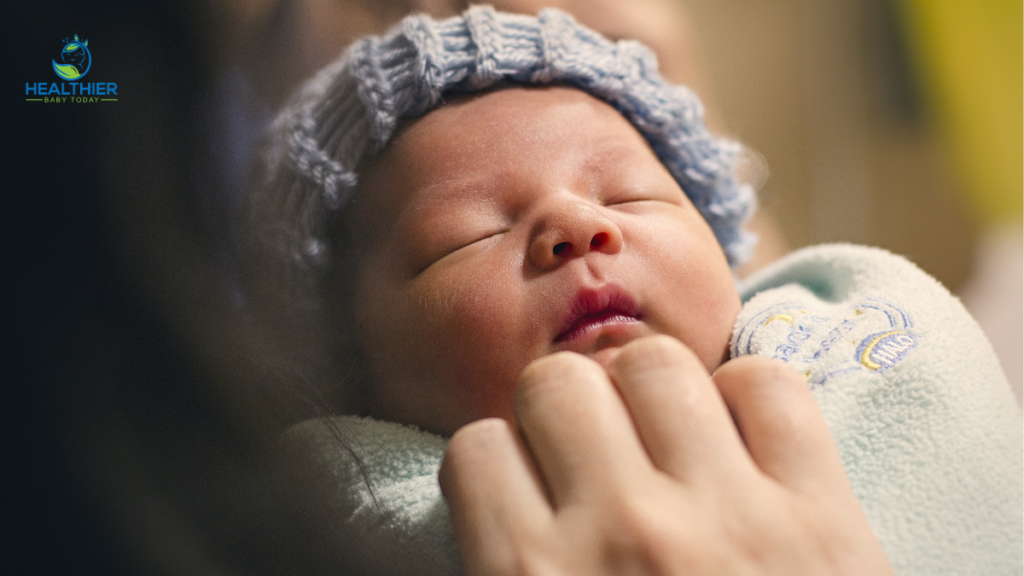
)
(139, 426)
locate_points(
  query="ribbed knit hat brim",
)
(352, 108)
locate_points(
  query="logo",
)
(826, 341)
(71, 66)
(885, 350)
(75, 60)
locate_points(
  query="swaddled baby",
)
(494, 188)
(476, 193)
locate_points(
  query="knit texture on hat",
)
(352, 108)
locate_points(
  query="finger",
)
(493, 493)
(577, 428)
(780, 423)
(678, 412)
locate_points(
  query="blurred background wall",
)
(895, 123)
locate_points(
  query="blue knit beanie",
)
(351, 109)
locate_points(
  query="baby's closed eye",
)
(477, 239)
(446, 247)
(626, 197)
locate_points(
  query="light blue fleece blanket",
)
(928, 429)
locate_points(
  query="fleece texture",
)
(922, 415)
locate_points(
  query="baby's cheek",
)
(710, 309)
(694, 283)
(719, 315)
(477, 342)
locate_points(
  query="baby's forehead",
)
(512, 104)
(512, 126)
(506, 132)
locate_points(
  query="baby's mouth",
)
(593, 310)
(592, 322)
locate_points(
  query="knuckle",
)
(778, 371)
(551, 372)
(555, 364)
(479, 435)
(520, 554)
(654, 352)
(760, 373)
(525, 563)
(660, 344)
(766, 525)
(472, 450)
(474, 440)
(645, 534)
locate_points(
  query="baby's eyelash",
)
(480, 239)
(621, 201)
(640, 196)
(463, 246)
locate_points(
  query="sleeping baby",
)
(456, 199)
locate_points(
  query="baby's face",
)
(512, 225)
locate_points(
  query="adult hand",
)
(639, 469)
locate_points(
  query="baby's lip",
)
(594, 308)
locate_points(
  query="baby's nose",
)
(571, 228)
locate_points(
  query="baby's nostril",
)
(599, 239)
(560, 247)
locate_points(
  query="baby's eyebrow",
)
(442, 196)
(452, 190)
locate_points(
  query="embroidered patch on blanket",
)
(823, 341)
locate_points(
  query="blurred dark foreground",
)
(139, 422)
